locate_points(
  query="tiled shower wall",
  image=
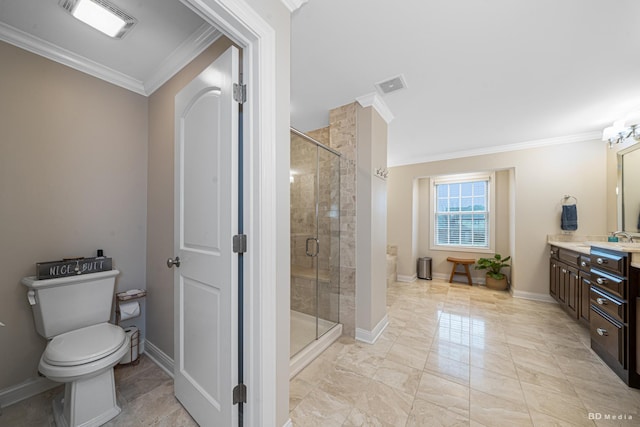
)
(341, 135)
(314, 171)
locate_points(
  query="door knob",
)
(171, 262)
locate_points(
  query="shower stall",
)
(315, 245)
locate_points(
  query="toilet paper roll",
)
(129, 310)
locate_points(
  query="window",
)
(461, 212)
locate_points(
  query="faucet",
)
(624, 234)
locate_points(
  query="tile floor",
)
(459, 356)
(144, 392)
(451, 356)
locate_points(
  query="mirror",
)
(629, 184)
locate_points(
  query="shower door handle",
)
(317, 242)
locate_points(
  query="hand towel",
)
(569, 218)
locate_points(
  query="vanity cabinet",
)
(613, 299)
(569, 282)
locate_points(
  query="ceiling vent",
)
(391, 85)
(101, 15)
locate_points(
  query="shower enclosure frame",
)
(323, 256)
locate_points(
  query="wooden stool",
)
(464, 262)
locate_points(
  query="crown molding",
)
(188, 50)
(63, 56)
(588, 136)
(373, 100)
(181, 56)
(293, 5)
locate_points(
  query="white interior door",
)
(206, 199)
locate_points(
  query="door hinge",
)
(240, 93)
(240, 394)
(240, 243)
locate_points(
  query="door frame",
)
(257, 40)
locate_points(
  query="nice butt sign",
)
(72, 267)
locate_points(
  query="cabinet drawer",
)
(570, 257)
(584, 262)
(613, 284)
(610, 305)
(608, 333)
(609, 261)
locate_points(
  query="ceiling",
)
(483, 76)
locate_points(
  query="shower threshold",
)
(304, 325)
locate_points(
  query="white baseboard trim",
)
(25, 390)
(407, 279)
(159, 357)
(313, 350)
(289, 423)
(370, 337)
(534, 296)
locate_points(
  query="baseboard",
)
(370, 337)
(159, 357)
(289, 423)
(25, 390)
(534, 296)
(407, 279)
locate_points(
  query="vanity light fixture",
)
(101, 15)
(621, 130)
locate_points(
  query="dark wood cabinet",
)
(585, 289)
(613, 319)
(565, 283)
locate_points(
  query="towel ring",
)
(566, 198)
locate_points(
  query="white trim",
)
(159, 357)
(289, 423)
(25, 390)
(55, 53)
(293, 5)
(313, 350)
(181, 56)
(370, 337)
(588, 136)
(534, 296)
(188, 50)
(373, 100)
(407, 279)
(257, 39)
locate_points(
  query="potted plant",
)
(495, 278)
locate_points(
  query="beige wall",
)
(160, 199)
(541, 177)
(73, 178)
(371, 220)
(441, 268)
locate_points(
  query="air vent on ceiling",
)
(391, 85)
(127, 21)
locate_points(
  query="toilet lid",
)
(84, 345)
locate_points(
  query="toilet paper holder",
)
(127, 296)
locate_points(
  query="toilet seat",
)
(84, 345)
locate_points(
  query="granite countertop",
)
(582, 244)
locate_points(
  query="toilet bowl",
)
(73, 313)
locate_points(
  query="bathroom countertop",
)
(583, 245)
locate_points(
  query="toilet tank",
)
(66, 303)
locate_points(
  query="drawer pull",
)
(602, 332)
(583, 264)
(601, 261)
(553, 253)
(601, 301)
(564, 270)
(601, 281)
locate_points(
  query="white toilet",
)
(73, 313)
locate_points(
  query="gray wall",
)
(73, 178)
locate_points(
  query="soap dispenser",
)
(612, 238)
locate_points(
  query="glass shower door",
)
(328, 235)
(304, 242)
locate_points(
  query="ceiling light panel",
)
(391, 85)
(101, 15)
